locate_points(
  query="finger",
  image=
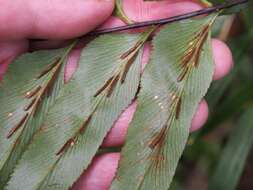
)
(200, 116)
(223, 64)
(72, 64)
(222, 58)
(117, 135)
(8, 51)
(99, 174)
(139, 10)
(53, 19)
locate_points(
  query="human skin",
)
(42, 19)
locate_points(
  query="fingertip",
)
(72, 64)
(117, 135)
(223, 59)
(11, 48)
(100, 173)
(200, 116)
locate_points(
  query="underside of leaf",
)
(105, 83)
(173, 84)
(28, 89)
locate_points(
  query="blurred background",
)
(220, 156)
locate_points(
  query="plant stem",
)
(169, 20)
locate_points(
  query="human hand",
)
(44, 19)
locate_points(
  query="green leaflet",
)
(29, 87)
(104, 85)
(172, 85)
(231, 164)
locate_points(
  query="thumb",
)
(55, 19)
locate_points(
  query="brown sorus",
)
(20, 123)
